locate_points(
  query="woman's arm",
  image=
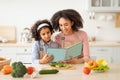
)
(86, 54)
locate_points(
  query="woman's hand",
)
(46, 58)
(74, 60)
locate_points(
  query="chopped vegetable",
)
(103, 65)
(60, 65)
(57, 64)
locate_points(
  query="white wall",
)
(23, 13)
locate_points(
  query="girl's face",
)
(65, 26)
(45, 34)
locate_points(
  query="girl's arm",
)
(35, 52)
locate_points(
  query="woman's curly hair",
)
(70, 14)
(35, 32)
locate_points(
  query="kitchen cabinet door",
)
(102, 52)
(8, 52)
(23, 54)
(104, 5)
(116, 54)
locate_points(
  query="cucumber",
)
(48, 71)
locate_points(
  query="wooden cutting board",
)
(8, 32)
(62, 68)
(68, 67)
(117, 20)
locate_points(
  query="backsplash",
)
(8, 33)
(24, 13)
(107, 30)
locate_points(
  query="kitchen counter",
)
(91, 43)
(77, 74)
(16, 44)
(104, 43)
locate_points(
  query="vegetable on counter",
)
(19, 70)
(100, 65)
(86, 70)
(61, 66)
(7, 69)
(57, 64)
(30, 70)
(48, 71)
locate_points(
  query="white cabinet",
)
(8, 52)
(104, 5)
(23, 54)
(102, 52)
(116, 54)
(112, 54)
(17, 53)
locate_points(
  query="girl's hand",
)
(46, 58)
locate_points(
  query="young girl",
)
(41, 32)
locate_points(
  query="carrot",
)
(7, 69)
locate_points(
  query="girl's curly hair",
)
(35, 32)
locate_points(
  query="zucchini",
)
(48, 71)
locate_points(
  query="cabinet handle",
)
(102, 50)
(25, 50)
(112, 61)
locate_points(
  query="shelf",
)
(104, 5)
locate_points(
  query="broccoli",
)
(19, 70)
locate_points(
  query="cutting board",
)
(62, 68)
(117, 20)
(8, 32)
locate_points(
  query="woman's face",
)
(65, 26)
(45, 34)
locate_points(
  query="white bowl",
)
(99, 71)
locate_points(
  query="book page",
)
(74, 50)
(64, 53)
(58, 53)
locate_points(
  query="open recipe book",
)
(65, 53)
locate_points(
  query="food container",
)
(99, 71)
(4, 61)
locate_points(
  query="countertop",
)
(104, 43)
(77, 74)
(91, 43)
(16, 44)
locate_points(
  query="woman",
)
(69, 22)
(41, 32)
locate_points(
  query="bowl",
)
(4, 61)
(99, 71)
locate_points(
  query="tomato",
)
(86, 70)
(30, 70)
